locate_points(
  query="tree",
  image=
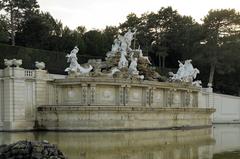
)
(16, 10)
(132, 22)
(170, 34)
(4, 36)
(81, 30)
(218, 26)
(38, 31)
(109, 34)
(94, 43)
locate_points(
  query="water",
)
(219, 142)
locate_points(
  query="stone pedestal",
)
(14, 97)
(41, 78)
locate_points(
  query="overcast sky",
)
(99, 13)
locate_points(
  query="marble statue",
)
(17, 62)
(188, 67)
(141, 55)
(133, 65)
(197, 83)
(129, 37)
(186, 72)
(180, 73)
(75, 67)
(113, 71)
(8, 63)
(116, 45)
(123, 62)
(119, 60)
(40, 65)
(124, 44)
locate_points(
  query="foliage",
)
(55, 61)
(4, 36)
(17, 11)
(221, 35)
(214, 45)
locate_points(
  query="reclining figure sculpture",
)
(75, 67)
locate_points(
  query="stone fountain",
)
(123, 93)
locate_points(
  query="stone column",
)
(8, 98)
(41, 87)
(19, 94)
(14, 98)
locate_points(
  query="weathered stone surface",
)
(30, 150)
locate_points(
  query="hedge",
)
(55, 62)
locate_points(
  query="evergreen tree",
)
(16, 10)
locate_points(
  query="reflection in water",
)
(171, 144)
(227, 137)
(227, 155)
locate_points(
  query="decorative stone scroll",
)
(127, 88)
(84, 94)
(170, 96)
(147, 97)
(121, 95)
(92, 94)
(151, 96)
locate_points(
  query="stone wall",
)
(87, 103)
(23, 91)
(120, 118)
(227, 108)
(118, 92)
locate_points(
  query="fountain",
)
(123, 93)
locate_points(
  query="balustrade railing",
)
(29, 73)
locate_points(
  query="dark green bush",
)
(55, 62)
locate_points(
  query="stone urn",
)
(17, 62)
(40, 65)
(8, 63)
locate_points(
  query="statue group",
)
(186, 73)
(123, 61)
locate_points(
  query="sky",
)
(97, 14)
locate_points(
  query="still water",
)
(219, 142)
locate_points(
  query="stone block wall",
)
(111, 92)
(23, 91)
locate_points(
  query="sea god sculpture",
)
(75, 68)
(185, 73)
